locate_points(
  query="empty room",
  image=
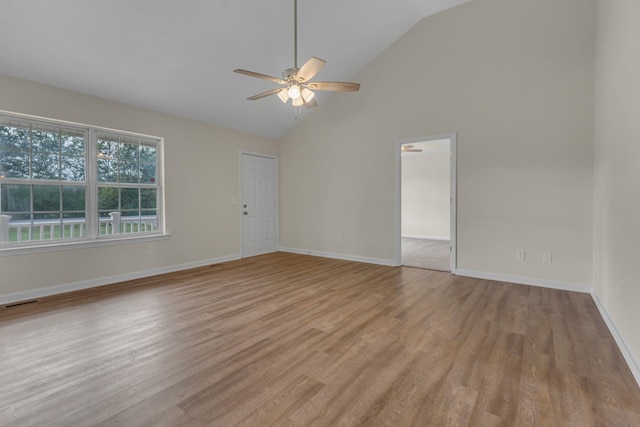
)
(202, 217)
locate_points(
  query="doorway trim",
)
(240, 198)
(453, 214)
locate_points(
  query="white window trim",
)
(94, 239)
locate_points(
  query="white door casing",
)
(259, 204)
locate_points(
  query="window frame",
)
(92, 235)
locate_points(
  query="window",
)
(67, 183)
(127, 188)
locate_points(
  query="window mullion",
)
(60, 186)
(93, 217)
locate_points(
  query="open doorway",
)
(426, 225)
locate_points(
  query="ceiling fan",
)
(296, 81)
(410, 149)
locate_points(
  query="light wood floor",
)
(292, 340)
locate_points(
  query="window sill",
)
(66, 246)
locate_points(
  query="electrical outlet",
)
(152, 250)
(521, 254)
(339, 238)
(547, 257)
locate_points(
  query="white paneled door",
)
(259, 205)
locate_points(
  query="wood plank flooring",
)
(292, 340)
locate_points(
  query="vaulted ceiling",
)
(177, 57)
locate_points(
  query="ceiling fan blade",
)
(311, 103)
(410, 149)
(335, 86)
(310, 69)
(260, 76)
(264, 94)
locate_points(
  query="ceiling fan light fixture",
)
(294, 92)
(284, 95)
(307, 94)
(296, 80)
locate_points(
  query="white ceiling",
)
(177, 57)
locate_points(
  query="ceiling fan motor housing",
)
(290, 74)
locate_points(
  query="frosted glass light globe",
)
(294, 92)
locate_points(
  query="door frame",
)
(240, 199)
(453, 214)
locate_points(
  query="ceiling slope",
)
(177, 57)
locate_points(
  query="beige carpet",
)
(428, 254)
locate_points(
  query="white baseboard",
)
(633, 364)
(416, 236)
(344, 257)
(564, 286)
(94, 283)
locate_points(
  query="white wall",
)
(425, 195)
(514, 79)
(202, 177)
(617, 169)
